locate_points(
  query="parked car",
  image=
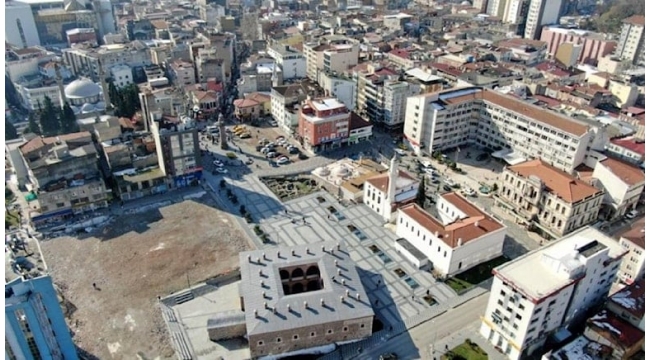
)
(245, 135)
(283, 160)
(401, 152)
(632, 214)
(221, 170)
(469, 192)
(434, 180)
(430, 171)
(446, 188)
(293, 150)
(273, 123)
(249, 161)
(450, 182)
(217, 163)
(271, 155)
(388, 356)
(266, 150)
(302, 156)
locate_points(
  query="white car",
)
(266, 150)
(632, 214)
(450, 182)
(217, 163)
(430, 171)
(283, 160)
(271, 155)
(469, 192)
(222, 170)
(400, 152)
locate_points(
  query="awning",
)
(51, 215)
(509, 156)
(31, 196)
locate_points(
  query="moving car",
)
(249, 161)
(388, 356)
(446, 188)
(245, 135)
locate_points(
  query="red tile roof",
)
(635, 20)
(381, 181)
(38, 142)
(636, 235)
(245, 103)
(631, 298)
(631, 144)
(555, 181)
(628, 173)
(475, 225)
(608, 325)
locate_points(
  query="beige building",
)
(547, 199)
(633, 265)
(631, 40)
(333, 53)
(623, 184)
(182, 73)
(64, 178)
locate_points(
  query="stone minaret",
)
(102, 79)
(222, 132)
(59, 82)
(393, 174)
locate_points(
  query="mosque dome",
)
(81, 89)
(87, 108)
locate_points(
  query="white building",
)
(292, 62)
(386, 192)
(633, 265)
(334, 53)
(340, 87)
(623, 184)
(33, 94)
(447, 120)
(25, 62)
(540, 13)
(463, 236)
(20, 28)
(122, 75)
(631, 40)
(548, 288)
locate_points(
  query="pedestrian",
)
(391, 328)
(428, 291)
(359, 350)
(376, 302)
(446, 347)
(285, 211)
(94, 286)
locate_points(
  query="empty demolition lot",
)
(132, 261)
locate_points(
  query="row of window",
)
(312, 334)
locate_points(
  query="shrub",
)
(229, 193)
(222, 183)
(248, 217)
(258, 230)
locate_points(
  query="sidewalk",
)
(471, 332)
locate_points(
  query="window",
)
(278, 340)
(362, 326)
(295, 337)
(312, 334)
(500, 302)
(518, 317)
(345, 328)
(260, 343)
(329, 331)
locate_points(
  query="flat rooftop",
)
(272, 303)
(531, 274)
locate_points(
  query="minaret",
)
(59, 82)
(102, 79)
(393, 174)
(274, 77)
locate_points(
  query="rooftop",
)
(380, 182)
(556, 181)
(472, 226)
(555, 266)
(39, 142)
(326, 104)
(631, 298)
(636, 234)
(628, 173)
(635, 20)
(338, 293)
(630, 143)
(578, 349)
(614, 329)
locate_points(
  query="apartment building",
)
(592, 46)
(182, 73)
(86, 61)
(208, 65)
(623, 184)
(20, 28)
(460, 237)
(633, 265)
(64, 177)
(26, 61)
(547, 289)
(446, 120)
(122, 75)
(515, 13)
(540, 13)
(323, 124)
(385, 193)
(339, 86)
(628, 148)
(223, 45)
(35, 327)
(33, 90)
(333, 53)
(292, 62)
(547, 199)
(631, 40)
(177, 145)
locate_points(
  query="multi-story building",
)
(35, 327)
(629, 303)
(86, 61)
(487, 118)
(628, 148)
(339, 86)
(20, 28)
(50, 22)
(592, 46)
(64, 177)
(292, 62)
(209, 66)
(223, 45)
(122, 75)
(182, 73)
(631, 40)
(333, 53)
(385, 193)
(297, 298)
(540, 13)
(261, 76)
(496, 8)
(515, 13)
(548, 199)
(286, 101)
(623, 184)
(33, 90)
(323, 124)
(523, 51)
(459, 238)
(80, 35)
(177, 145)
(543, 291)
(633, 265)
(26, 61)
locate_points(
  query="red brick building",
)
(323, 124)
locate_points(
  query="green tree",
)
(10, 131)
(67, 120)
(421, 197)
(32, 125)
(113, 93)
(613, 13)
(125, 100)
(11, 95)
(49, 119)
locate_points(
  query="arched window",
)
(297, 273)
(313, 270)
(284, 274)
(297, 288)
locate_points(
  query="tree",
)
(67, 120)
(32, 125)
(49, 119)
(11, 95)
(125, 100)
(421, 197)
(10, 131)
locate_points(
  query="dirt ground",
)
(132, 261)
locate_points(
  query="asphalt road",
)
(416, 343)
